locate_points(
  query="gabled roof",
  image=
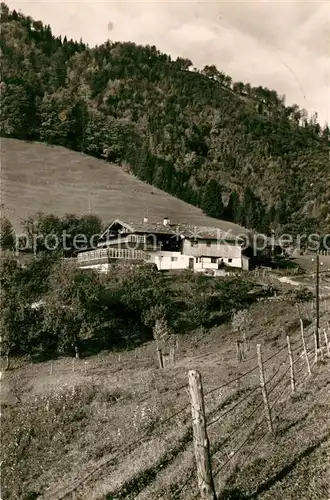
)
(113, 223)
(180, 230)
(206, 233)
(142, 227)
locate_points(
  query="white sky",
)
(283, 45)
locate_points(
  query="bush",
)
(79, 309)
(301, 294)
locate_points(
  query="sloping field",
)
(38, 177)
(117, 427)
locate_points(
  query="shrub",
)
(300, 294)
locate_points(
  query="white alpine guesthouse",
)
(168, 246)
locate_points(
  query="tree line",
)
(49, 306)
(50, 233)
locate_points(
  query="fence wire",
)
(241, 446)
(121, 451)
(247, 396)
(309, 339)
(211, 391)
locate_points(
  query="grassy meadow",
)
(98, 429)
(38, 177)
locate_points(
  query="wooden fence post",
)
(304, 347)
(264, 390)
(326, 342)
(293, 382)
(238, 351)
(160, 358)
(320, 348)
(172, 356)
(316, 348)
(51, 368)
(7, 365)
(245, 344)
(73, 364)
(201, 442)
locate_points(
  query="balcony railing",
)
(111, 253)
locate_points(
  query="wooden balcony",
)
(104, 255)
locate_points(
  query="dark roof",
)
(152, 227)
(205, 233)
(187, 230)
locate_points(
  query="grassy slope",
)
(58, 440)
(37, 177)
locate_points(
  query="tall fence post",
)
(264, 390)
(293, 382)
(326, 342)
(172, 356)
(201, 442)
(316, 348)
(245, 344)
(304, 347)
(320, 349)
(51, 368)
(160, 358)
(317, 303)
(239, 353)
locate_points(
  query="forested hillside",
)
(238, 152)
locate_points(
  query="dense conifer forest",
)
(238, 152)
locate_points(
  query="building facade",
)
(165, 245)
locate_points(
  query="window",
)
(136, 238)
(230, 260)
(174, 259)
(196, 260)
(208, 243)
(213, 260)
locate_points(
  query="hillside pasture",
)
(52, 179)
(110, 427)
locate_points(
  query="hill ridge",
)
(236, 151)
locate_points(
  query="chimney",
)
(166, 221)
(145, 219)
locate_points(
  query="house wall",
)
(231, 254)
(173, 260)
(204, 263)
(166, 261)
(139, 241)
(245, 263)
(211, 249)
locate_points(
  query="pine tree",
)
(249, 217)
(233, 208)
(7, 235)
(212, 203)
(282, 211)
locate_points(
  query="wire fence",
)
(249, 410)
(270, 399)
